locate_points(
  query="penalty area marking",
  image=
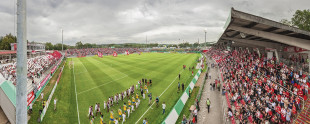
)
(101, 85)
(77, 104)
(158, 96)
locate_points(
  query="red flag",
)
(114, 54)
(30, 98)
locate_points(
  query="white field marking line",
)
(109, 75)
(161, 58)
(104, 83)
(110, 66)
(81, 72)
(159, 96)
(123, 64)
(101, 85)
(77, 104)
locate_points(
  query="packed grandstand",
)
(259, 88)
(104, 51)
(37, 69)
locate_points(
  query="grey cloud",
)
(123, 21)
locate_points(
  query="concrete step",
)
(304, 120)
(298, 121)
(306, 117)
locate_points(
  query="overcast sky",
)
(130, 21)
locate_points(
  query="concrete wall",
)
(8, 107)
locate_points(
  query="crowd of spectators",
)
(260, 90)
(36, 67)
(176, 49)
(104, 51)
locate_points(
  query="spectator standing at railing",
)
(195, 112)
(197, 104)
(30, 108)
(184, 120)
(42, 94)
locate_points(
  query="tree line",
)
(5, 41)
(301, 20)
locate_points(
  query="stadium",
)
(255, 72)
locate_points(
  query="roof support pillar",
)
(247, 48)
(258, 52)
(308, 62)
(276, 53)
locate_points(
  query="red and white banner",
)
(43, 82)
(205, 51)
(56, 54)
(100, 54)
(114, 54)
(55, 67)
(293, 49)
(30, 98)
(127, 52)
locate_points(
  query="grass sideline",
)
(37, 105)
(109, 75)
(188, 104)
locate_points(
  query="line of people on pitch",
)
(135, 101)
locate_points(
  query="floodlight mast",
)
(62, 40)
(205, 37)
(21, 67)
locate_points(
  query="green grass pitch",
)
(98, 78)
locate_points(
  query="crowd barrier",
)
(178, 107)
(51, 95)
(32, 96)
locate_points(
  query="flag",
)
(56, 54)
(127, 52)
(99, 54)
(114, 54)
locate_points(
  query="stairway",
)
(304, 116)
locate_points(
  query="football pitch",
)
(89, 80)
